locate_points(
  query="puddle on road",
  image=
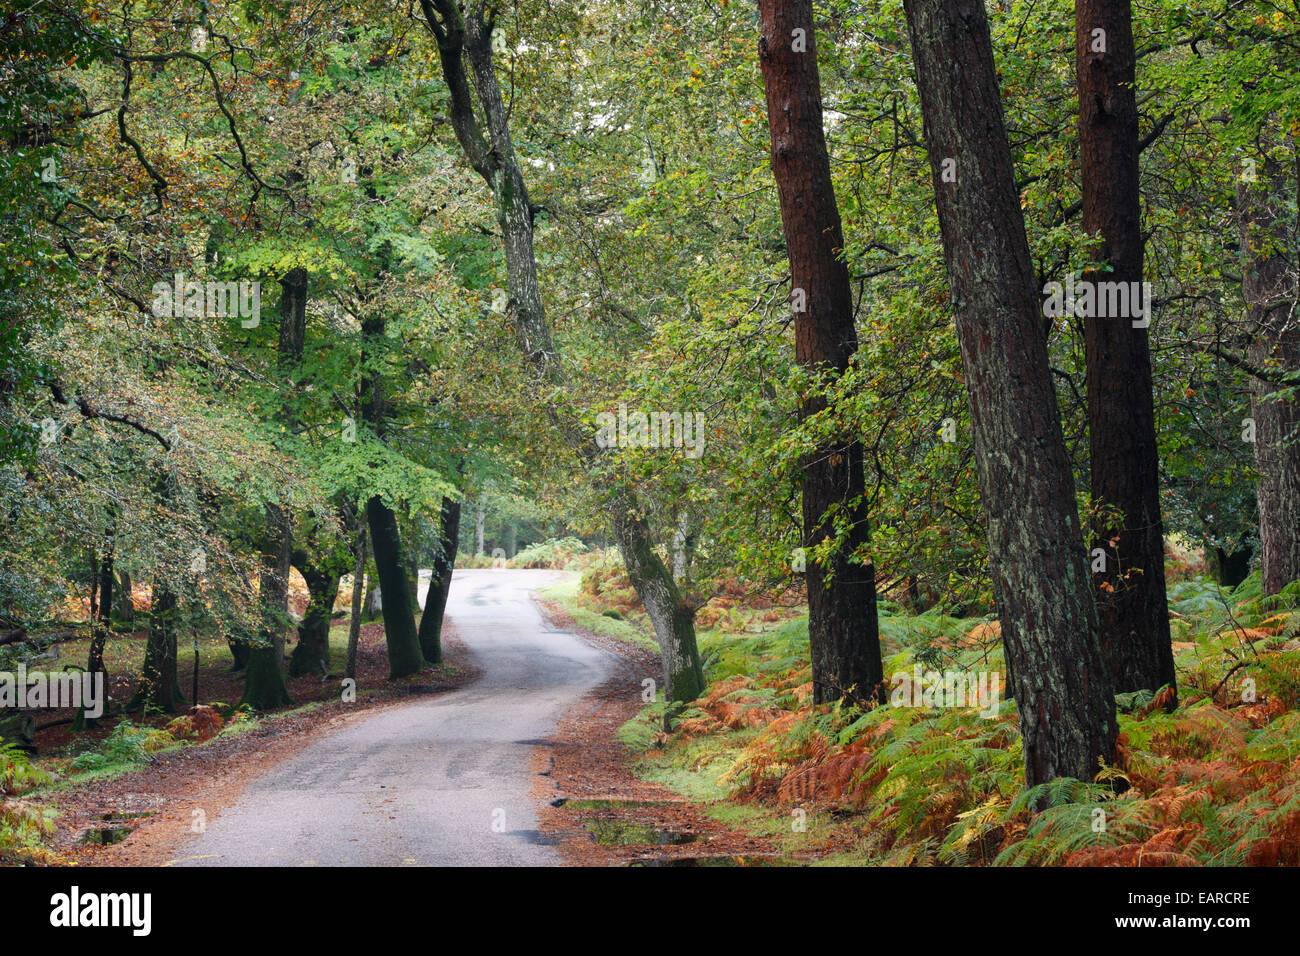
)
(714, 861)
(106, 836)
(623, 833)
(536, 837)
(115, 830)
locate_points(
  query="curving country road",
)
(444, 781)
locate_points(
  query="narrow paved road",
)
(440, 781)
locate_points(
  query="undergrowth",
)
(1214, 782)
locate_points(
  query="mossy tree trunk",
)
(263, 681)
(1063, 689)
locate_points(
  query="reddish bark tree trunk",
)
(1125, 470)
(843, 629)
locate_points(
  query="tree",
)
(404, 657)
(159, 681)
(264, 683)
(1267, 208)
(444, 564)
(1049, 626)
(1129, 574)
(842, 627)
(322, 559)
(468, 36)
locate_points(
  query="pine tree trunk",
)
(1049, 623)
(1269, 286)
(435, 602)
(843, 629)
(1132, 608)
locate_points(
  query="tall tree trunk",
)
(264, 683)
(400, 633)
(1269, 286)
(398, 603)
(467, 36)
(159, 681)
(843, 630)
(358, 589)
(1049, 622)
(1132, 608)
(101, 618)
(435, 602)
(103, 610)
(480, 525)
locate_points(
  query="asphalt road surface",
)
(442, 781)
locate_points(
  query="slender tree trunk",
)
(435, 602)
(1049, 623)
(843, 629)
(358, 589)
(683, 547)
(264, 684)
(101, 606)
(1269, 286)
(1125, 470)
(480, 525)
(398, 603)
(467, 37)
(103, 617)
(400, 633)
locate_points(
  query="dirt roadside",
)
(631, 822)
